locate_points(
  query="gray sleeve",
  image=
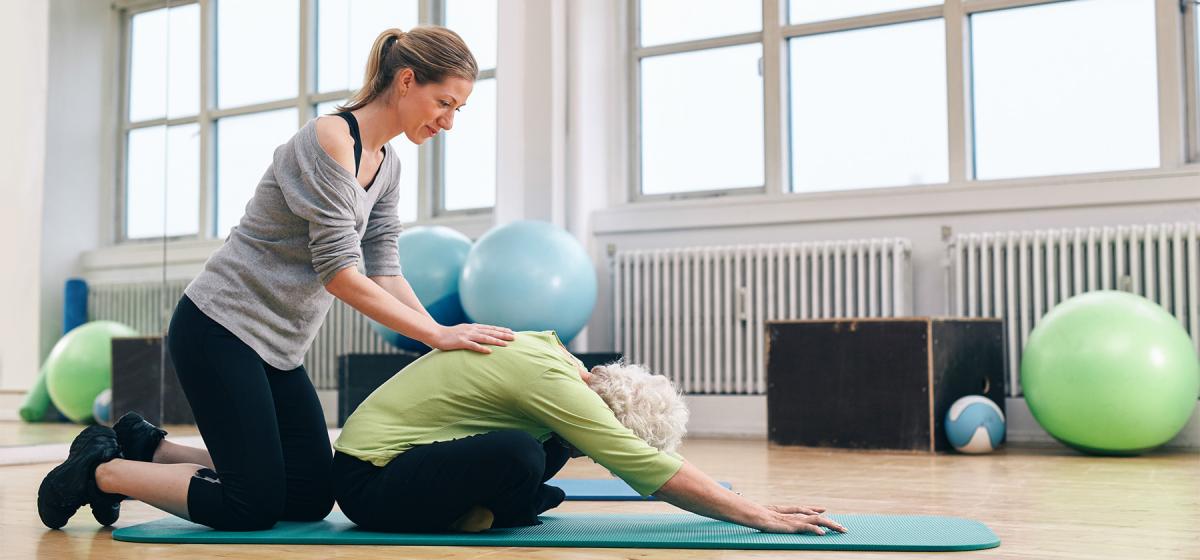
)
(316, 192)
(379, 241)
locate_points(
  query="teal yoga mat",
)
(867, 532)
(601, 489)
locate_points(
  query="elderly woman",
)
(464, 441)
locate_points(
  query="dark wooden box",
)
(360, 374)
(877, 383)
(140, 383)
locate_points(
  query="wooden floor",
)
(1043, 503)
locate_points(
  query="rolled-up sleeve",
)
(326, 200)
(379, 242)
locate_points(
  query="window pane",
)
(845, 133)
(1065, 88)
(346, 29)
(475, 21)
(147, 173)
(407, 152)
(258, 51)
(156, 35)
(682, 150)
(674, 21)
(807, 11)
(470, 161)
(328, 107)
(245, 148)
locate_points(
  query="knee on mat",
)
(314, 509)
(247, 521)
(255, 514)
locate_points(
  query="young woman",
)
(465, 442)
(239, 334)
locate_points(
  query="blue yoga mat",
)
(867, 532)
(602, 489)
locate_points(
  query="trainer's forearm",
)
(694, 491)
(399, 287)
(372, 300)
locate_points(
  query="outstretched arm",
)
(400, 289)
(694, 491)
(372, 300)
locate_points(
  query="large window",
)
(822, 95)
(1058, 90)
(469, 151)
(191, 160)
(868, 107)
(162, 137)
(700, 102)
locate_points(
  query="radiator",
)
(147, 307)
(1019, 276)
(697, 314)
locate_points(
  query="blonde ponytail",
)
(433, 54)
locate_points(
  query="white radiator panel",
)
(1019, 276)
(148, 307)
(697, 314)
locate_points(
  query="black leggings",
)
(264, 429)
(430, 486)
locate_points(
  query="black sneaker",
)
(138, 437)
(106, 508)
(73, 483)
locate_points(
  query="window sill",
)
(1008, 195)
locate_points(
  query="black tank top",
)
(353, 122)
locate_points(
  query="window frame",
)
(1175, 128)
(431, 155)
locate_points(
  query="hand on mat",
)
(472, 336)
(796, 519)
(806, 510)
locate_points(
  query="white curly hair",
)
(649, 405)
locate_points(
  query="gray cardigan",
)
(308, 219)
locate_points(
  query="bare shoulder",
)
(334, 136)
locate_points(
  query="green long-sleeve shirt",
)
(530, 385)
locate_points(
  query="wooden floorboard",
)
(1042, 502)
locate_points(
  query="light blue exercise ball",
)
(974, 424)
(432, 259)
(529, 275)
(102, 407)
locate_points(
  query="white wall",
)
(530, 112)
(23, 37)
(80, 129)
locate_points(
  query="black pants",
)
(264, 429)
(430, 486)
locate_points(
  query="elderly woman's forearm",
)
(692, 490)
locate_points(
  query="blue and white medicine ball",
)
(974, 424)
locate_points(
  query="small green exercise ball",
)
(80, 367)
(1110, 373)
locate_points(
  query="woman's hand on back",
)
(472, 336)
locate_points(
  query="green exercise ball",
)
(80, 367)
(1110, 373)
